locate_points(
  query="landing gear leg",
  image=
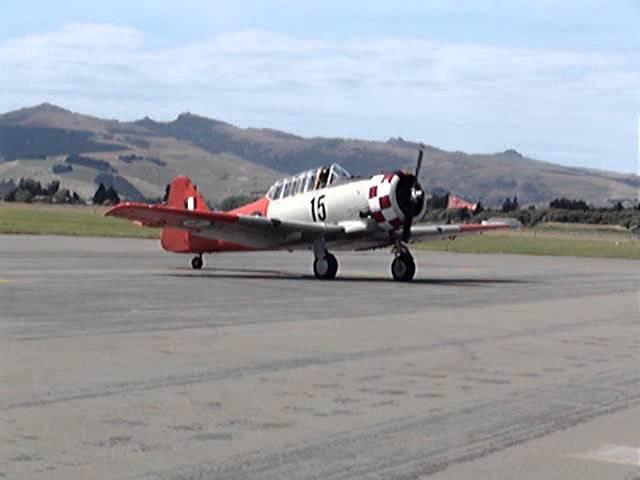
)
(197, 262)
(325, 265)
(403, 267)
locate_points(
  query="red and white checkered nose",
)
(383, 204)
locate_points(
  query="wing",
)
(436, 232)
(252, 231)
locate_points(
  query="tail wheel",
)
(325, 267)
(197, 263)
(403, 267)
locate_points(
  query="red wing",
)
(163, 216)
(248, 230)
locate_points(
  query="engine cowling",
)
(390, 200)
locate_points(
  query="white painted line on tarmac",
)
(620, 454)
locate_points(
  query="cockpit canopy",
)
(315, 179)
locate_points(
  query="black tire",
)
(403, 268)
(197, 263)
(325, 267)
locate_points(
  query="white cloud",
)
(458, 96)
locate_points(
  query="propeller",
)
(414, 200)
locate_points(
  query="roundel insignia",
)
(196, 223)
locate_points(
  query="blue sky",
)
(555, 80)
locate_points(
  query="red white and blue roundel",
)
(382, 202)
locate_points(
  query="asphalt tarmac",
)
(117, 361)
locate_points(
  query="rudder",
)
(183, 194)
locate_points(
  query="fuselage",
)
(338, 204)
(334, 204)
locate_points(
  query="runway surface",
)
(117, 361)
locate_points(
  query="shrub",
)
(510, 205)
(23, 195)
(568, 204)
(106, 196)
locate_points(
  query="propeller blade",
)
(406, 229)
(419, 165)
(408, 221)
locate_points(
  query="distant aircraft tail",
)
(182, 193)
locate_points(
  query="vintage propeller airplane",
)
(318, 210)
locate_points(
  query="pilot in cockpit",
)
(323, 178)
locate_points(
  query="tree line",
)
(564, 210)
(28, 190)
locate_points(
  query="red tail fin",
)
(182, 193)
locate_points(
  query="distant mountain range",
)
(140, 158)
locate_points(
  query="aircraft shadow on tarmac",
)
(251, 274)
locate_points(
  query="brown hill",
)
(44, 141)
(227, 160)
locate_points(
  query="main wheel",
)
(196, 262)
(325, 267)
(403, 268)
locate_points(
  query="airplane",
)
(323, 209)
